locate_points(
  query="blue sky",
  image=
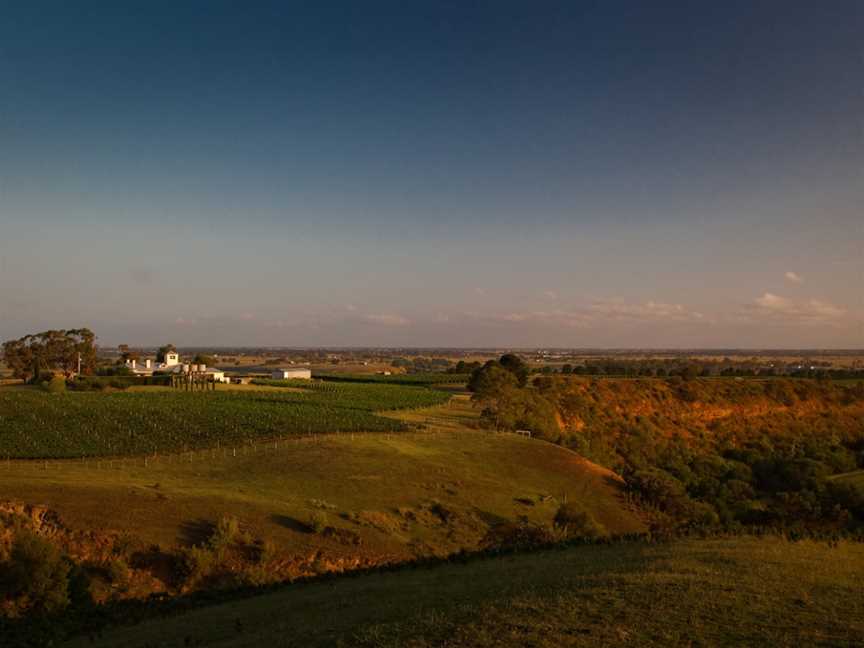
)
(450, 173)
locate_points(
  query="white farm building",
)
(172, 365)
(291, 374)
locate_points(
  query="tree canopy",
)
(56, 350)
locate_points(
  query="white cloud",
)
(794, 277)
(550, 294)
(387, 319)
(573, 319)
(777, 307)
(650, 310)
(605, 311)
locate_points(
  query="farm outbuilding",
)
(292, 374)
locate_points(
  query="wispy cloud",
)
(794, 277)
(781, 308)
(650, 310)
(387, 319)
(605, 311)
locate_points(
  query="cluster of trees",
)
(39, 354)
(421, 364)
(771, 466)
(501, 388)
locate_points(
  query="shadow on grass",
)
(291, 523)
(196, 532)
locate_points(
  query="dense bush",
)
(577, 522)
(121, 382)
(702, 452)
(36, 576)
(518, 536)
(55, 385)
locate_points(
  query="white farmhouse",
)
(172, 365)
(292, 373)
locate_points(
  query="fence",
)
(219, 452)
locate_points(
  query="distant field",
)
(431, 378)
(736, 592)
(35, 424)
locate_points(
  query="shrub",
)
(195, 563)
(577, 522)
(518, 536)
(226, 533)
(118, 572)
(318, 522)
(56, 385)
(37, 574)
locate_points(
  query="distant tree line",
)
(647, 369)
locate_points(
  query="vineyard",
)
(36, 424)
(427, 378)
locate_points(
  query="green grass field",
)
(377, 485)
(733, 592)
(35, 424)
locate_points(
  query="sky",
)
(479, 174)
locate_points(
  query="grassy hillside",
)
(402, 495)
(35, 424)
(739, 591)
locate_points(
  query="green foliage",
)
(515, 365)
(492, 381)
(32, 355)
(417, 379)
(318, 521)
(119, 381)
(508, 406)
(95, 424)
(195, 564)
(36, 575)
(118, 572)
(519, 536)
(488, 378)
(699, 468)
(577, 522)
(226, 533)
(56, 385)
